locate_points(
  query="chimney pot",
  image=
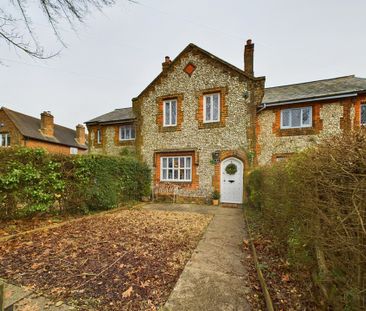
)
(47, 124)
(249, 58)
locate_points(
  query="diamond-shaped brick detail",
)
(189, 69)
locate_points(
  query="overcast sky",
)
(118, 52)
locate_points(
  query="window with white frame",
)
(296, 117)
(363, 114)
(170, 112)
(211, 109)
(4, 139)
(73, 150)
(99, 136)
(127, 132)
(176, 168)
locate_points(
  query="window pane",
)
(1, 140)
(188, 162)
(164, 173)
(363, 114)
(296, 117)
(175, 162)
(175, 174)
(122, 132)
(170, 162)
(181, 174)
(181, 162)
(188, 174)
(174, 112)
(215, 113)
(165, 162)
(306, 116)
(127, 132)
(285, 118)
(167, 113)
(133, 133)
(170, 174)
(208, 108)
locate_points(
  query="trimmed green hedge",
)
(32, 180)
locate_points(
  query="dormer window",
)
(170, 112)
(296, 118)
(211, 110)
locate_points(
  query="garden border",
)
(262, 281)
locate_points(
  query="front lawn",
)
(128, 260)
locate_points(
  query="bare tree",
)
(16, 27)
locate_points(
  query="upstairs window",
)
(4, 139)
(73, 150)
(211, 110)
(176, 169)
(296, 118)
(127, 132)
(170, 112)
(99, 136)
(363, 114)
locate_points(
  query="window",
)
(296, 117)
(363, 114)
(73, 150)
(99, 136)
(170, 112)
(4, 139)
(211, 104)
(176, 169)
(127, 132)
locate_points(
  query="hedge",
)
(314, 208)
(32, 180)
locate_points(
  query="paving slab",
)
(19, 298)
(215, 278)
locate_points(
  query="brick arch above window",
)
(223, 109)
(160, 114)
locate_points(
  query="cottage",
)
(112, 132)
(202, 122)
(294, 117)
(17, 129)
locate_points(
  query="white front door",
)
(232, 181)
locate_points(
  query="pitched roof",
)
(191, 47)
(322, 89)
(115, 116)
(30, 127)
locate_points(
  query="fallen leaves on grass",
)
(128, 260)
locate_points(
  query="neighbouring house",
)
(112, 132)
(202, 122)
(18, 129)
(294, 117)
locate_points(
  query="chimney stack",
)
(47, 125)
(249, 58)
(80, 134)
(166, 63)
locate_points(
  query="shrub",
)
(32, 180)
(314, 207)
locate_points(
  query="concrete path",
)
(215, 278)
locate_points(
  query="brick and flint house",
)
(18, 129)
(202, 122)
